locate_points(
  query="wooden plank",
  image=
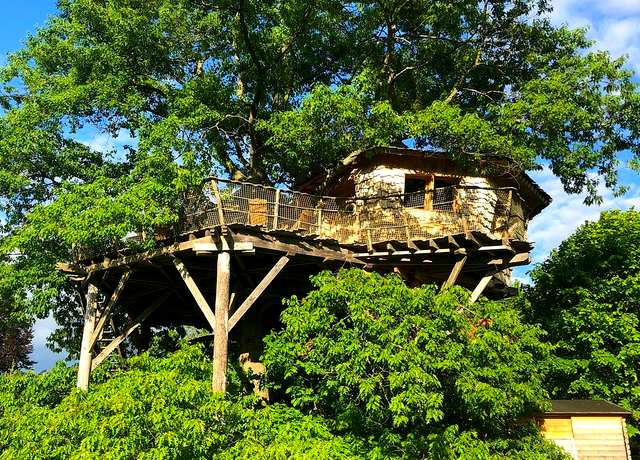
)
(477, 292)
(455, 272)
(221, 333)
(129, 328)
(258, 290)
(107, 310)
(195, 291)
(296, 248)
(150, 255)
(496, 248)
(90, 312)
(206, 246)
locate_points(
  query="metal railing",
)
(349, 220)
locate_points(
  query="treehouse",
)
(411, 212)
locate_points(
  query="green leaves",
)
(152, 408)
(402, 365)
(586, 295)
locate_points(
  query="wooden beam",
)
(259, 289)
(90, 312)
(455, 272)
(169, 250)
(107, 310)
(221, 335)
(296, 247)
(195, 291)
(129, 328)
(484, 282)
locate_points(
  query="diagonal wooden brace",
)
(132, 326)
(455, 272)
(477, 292)
(195, 292)
(258, 290)
(104, 317)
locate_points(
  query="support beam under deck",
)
(221, 335)
(90, 313)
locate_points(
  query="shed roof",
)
(586, 407)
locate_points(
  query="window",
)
(444, 193)
(414, 191)
(436, 193)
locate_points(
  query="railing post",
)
(276, 209)
(319, 223)
(216, 192)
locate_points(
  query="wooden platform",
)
(176, 284)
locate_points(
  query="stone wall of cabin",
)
(478, 204)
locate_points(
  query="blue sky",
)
(614, 25)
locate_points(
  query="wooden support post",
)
(455, 272)
(129, 328)
(216, 193)
(220, 339)
(429, 190)
(84, 365)
(477, 292)
(195, 292)
(276, 209)
(407, 230)
(106, 313)
(259, 289)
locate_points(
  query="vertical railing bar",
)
(276, 209)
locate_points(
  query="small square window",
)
(444, 193)
(414, 191)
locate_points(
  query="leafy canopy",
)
(586, 295)
(412, 371)
(152, 408)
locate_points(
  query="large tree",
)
(276, 91)
(587, 296)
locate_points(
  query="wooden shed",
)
(588, 429)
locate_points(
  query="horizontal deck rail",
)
(356, 220)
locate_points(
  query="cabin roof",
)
(585, 407)
(505, 168)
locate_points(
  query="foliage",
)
(15, 332)
(152, 408)
(15, 344)
(411, 371)
(586, 295)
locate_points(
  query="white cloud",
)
(612, 24)
(105, 143)
(567, 212)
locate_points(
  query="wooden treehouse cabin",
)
(406, 211)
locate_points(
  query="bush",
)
(412, 372)
(156, 408)
(586, 295)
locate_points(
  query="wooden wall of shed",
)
(596, 438)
